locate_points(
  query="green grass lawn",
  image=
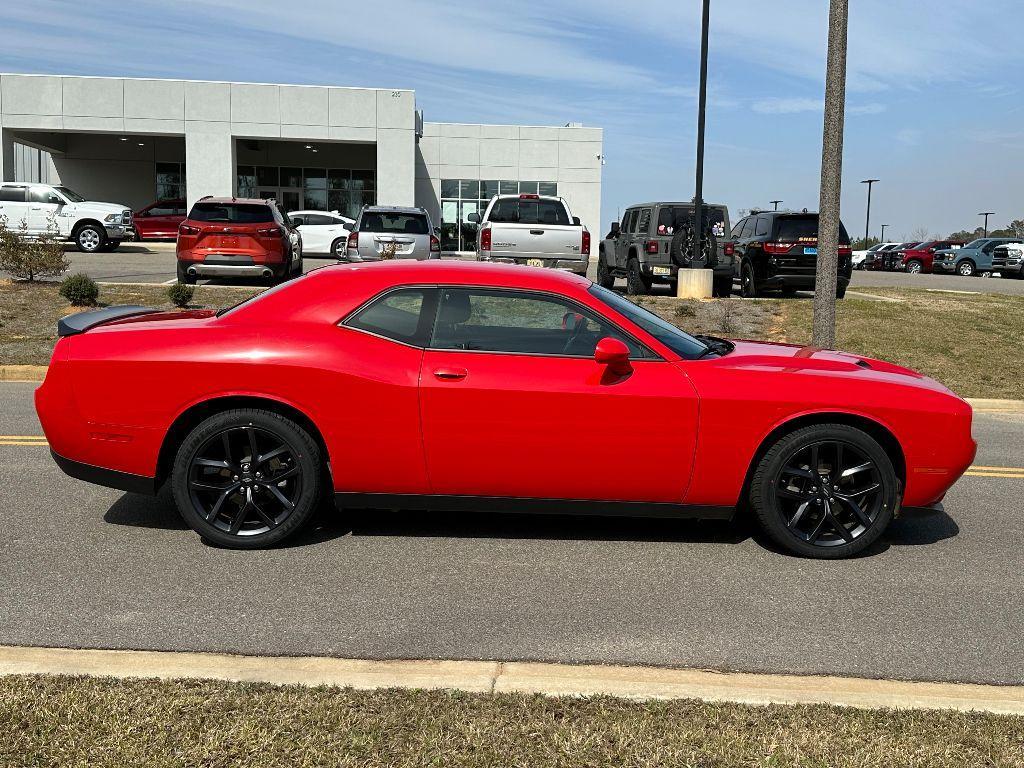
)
(68, 721)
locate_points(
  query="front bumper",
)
(943, 266)
(119, 231)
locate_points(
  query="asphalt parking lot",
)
(938, 599)
(154, 263)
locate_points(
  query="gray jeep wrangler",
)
(655, 241)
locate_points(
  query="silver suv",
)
(393, 232)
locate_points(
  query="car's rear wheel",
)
(825, 491)
(636, 283)
(247, 478)
(338, 248)
(966, 268)
(605, 278)
(748, 284)
(184, 276)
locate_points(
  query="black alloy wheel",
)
(748, 285)
(826, 491)
(605, 278)
(246, 478)
(636, 283)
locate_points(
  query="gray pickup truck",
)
(535, 230)
(654, 241)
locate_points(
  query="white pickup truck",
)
(535, 230)
(89, 225)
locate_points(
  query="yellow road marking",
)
(22, 437)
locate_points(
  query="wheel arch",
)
(880, 432)
(85, 222)
(192, 416)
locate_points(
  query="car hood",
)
(797, 359)
(104, 208)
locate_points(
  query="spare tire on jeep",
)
(681, 249)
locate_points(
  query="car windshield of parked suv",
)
(679, 342)
(790, 229)
(70, 194)
(511, 210)
(980, 242)
(233, 213)
(394, 223)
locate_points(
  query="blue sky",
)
(934, 103)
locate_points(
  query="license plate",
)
(535, 262)
(810, 251)
(661, 271)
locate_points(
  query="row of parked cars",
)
(986, 255)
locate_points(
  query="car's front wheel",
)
(966, 268)
(914, 267)
(90, 238)
(247, 478)
(825, 491)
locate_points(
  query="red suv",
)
(159, 220)
(238, 237)
(919, 258)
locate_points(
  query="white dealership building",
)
(134, 141)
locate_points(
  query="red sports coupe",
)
(449, 385)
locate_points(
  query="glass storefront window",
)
(291, 177)
(246, 181)
(548, 188)
(170, 181)
(488, 189)
(315, 178)
(266, 176)
(318, 189)
(509, 187)
(364, 179)
(315, 199)
(339, 180)
(528, 187)
(469, 189)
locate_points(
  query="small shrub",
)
(31, 256)
(180, 294)
(81, 290)
(686, 310)
(726, 317)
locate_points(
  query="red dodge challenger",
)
(448, 385)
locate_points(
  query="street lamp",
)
(883, 232)
(867, 218)
(776, 203)
(698, 198)
(986, 214)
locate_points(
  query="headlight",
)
(113, 218)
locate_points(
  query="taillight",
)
(353, 240)
(778, 247)
(188, 229)
(529, 197)
(435, 244)
(268, 232)
(845, 251)
(485, 239)
(729, 249)
(585, 245)
(651, 246)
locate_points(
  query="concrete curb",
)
(520, 677)
(987, 405)
(22, 372)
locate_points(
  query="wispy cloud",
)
(784, 106)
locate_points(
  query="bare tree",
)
(920, 234)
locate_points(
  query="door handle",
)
(451, 374)
(536, 231)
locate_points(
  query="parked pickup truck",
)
(1008, 259)
(650, 246)
(89, 225)
(536, 230)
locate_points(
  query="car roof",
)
(669, 202)
(393, 209)
(235, 200)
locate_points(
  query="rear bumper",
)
(578, 266)
(656, 272)
(805, 282)
(200, 269)
(109, 478)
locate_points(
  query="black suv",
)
(777, 250)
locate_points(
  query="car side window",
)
(738, 229)
(519, 322)
(43, 195)
(12, 194)
(644, 221)
(319, 219)
(404, 315)
(762, 226)
(297, 221)
(628, 220)
(748, 228)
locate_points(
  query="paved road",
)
(154, 263)
(939, 599)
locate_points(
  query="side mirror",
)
(613, 353)
(931, 250)
(576, 221)
(347, 226)
(615, 229)
(474, 218)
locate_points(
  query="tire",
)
(914, 267)
(748, 283)
(235, 505)
(681, 248)
(840, 291)
(636, 283)
(809, 522)
(605, 278)
(90, 238)
(788, 290)
(339, 245)
(722, 287)
(966, 268)
(184, 276)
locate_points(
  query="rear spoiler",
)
(81, 322)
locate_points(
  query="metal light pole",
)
(883, 232)
(867, 218)
(698, 198)
(824, 335)
(986, 214)
(776, 203)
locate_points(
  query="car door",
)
(312, 228)
(513, 404)
(43, 205)
(625, 238)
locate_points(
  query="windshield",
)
(231, 212)
(976, 243)
(679, 342)
(791, 229)
(70, 194)
(394, 223)
(513, 210)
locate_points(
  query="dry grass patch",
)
(63, 721)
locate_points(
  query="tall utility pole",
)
(986, 214)
(867, 218)
(824, 335)
(776, 203)
(883, 233)
(698, 198)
